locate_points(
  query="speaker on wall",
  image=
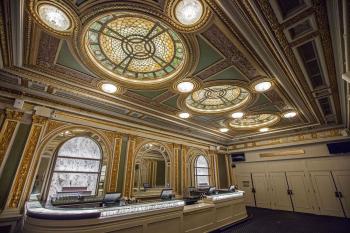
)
(339, 147)
(236, 157)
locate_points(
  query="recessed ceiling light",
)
(263, 86)
(189, 12)
(109, 88)
(54, 17)
(184, 115)
(264, 129)
(185, 87)
(289, 114)
(224, 130)
(237, 115)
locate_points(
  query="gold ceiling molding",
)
(45, 8)
(203, 21)
(149, 56)
(254, 120)
(217, 97)
(282, 153)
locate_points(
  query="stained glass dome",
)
(134, 48)
(255, 121)
(218, 98)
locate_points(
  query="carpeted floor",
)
(276, 221)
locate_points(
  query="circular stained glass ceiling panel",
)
(134, 48)
(216, 99)
(54, 17)
(255, 121)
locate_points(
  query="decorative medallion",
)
(53, 16)
(134, 48)
(218, 98)
(254, 121)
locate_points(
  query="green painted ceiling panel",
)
(208, 55)
(149, 94)
(65, 58)
(230, 73)
(172, 102)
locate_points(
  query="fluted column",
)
(184, 167)
(177, 181)
(29, 161)
(7, 133)
(115, 163)
(129, 167)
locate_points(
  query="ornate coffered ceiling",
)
(143, 49)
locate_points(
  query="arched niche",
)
(192, 167)
(152, 169)
(49, 153)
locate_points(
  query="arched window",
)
(201, 169)
(77, 167)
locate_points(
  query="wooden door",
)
(301, 192)
(262, 195)
(325, 190)
(245, 184)
(342, 181)
(279, 187)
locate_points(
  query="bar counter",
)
(164, 216)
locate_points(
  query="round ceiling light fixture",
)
(54, 17)
(184, 115)
(189, 12)
(289, 114)
(224, 130)
(263, 86)
(185, 87)
(109, 88)
(237, 115)
(264, 130)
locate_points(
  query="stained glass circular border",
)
(218, 98)
(253, 121)
(134, 48)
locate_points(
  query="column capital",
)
(14, 114)
(39, 119)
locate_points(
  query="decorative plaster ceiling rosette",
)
(186, 19)
(134, 49)
(55, 17)
(253, 121)
(217, 98)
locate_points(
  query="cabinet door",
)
(281, 199)
(245, 184)
(301, 192)
(262, 196)
(325, 190)
(342, 181)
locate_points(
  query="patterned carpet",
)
(276, 221)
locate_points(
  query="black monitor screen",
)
(232, 188)
(166, 194)
(111, 197)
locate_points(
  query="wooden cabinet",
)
(262, 194)
(245, 184)
(342, 182)
(279, 187)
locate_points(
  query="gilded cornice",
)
(13, 114)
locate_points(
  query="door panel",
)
(325, 192)
(245, 184)
(260, 184)
(342, 181)
(297, 182)
(279, 187)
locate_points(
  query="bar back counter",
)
(172, 216)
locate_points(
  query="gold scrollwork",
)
(115, 163)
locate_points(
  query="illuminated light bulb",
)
(263, 86)
(224, 130)
(264, 129)
(109, 88)
(184, 115)
(188, 12)
(289, 114)
(237, 115)
(185, 87)
(54, 17)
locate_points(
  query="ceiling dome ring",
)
(254, 120)
(152, 57)
(217, 97)
(56, 18)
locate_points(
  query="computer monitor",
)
(111, 198)
(232, 188)
(166, 194)
(211, 191)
